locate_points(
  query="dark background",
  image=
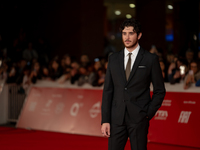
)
(81, 26)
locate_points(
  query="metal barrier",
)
(16, 97)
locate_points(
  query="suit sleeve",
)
(158, 88)
(107, 97)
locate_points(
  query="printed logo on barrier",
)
(161, 115)
(59, 108)
(32, 106)
(75, 109)
(184, 116)
(167, 103)
(95, 110)
(189, 102)
(80, 96)
(46, 109)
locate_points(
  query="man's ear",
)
(140, 35)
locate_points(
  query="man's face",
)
(193, 67)
(130, 37)
(189, 55)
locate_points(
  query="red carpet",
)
(21, 139)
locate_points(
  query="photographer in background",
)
(175, 75)
(193, 75)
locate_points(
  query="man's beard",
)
(130, 46)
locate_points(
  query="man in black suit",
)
(127, 105)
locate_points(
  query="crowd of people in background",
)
(31, 64)
(176, 69)
(28, 64)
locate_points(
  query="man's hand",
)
(177, 74)
(105, 129)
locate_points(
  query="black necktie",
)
(128, 67)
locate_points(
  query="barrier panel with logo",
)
(177, 121)
(72, 110)
(62, 110)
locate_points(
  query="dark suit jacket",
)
(118, 93)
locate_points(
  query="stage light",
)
(169, 6)
(132, 5)
(117, 12)
(128, 16)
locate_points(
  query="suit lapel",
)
(121, 64)
(136, 63)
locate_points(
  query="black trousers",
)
(137, 134)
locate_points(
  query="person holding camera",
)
(193, 75)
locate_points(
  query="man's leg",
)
(118, 137)
(138, 135)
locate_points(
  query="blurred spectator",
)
(63, 78)
(35, 73)
(100, 77)
(67, 64)
(55, 70)
(106, 65)
(67, 61)
(62, 63)
(45, 73)
(86, 76)
(74, 75)
(102, 60)
(83, 76)
(189, 55)
(97, 65)
(174, 73)
(3, 70)
(26, 79)
(84, 60)
(75, 65)
(193, 75)
(12, 74)
(99, 73)
(29, 54)
(160, 53)
(170, 58)
(153, 50)
(162, 66)
(20, 68)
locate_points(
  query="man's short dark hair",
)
(131, 22)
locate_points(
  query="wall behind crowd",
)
(67, 26)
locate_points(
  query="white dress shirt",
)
(133, 56)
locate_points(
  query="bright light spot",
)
(117, 12)
(195, 37)
(128, 16)
(112, 37)
(132, 5)
(169, 6)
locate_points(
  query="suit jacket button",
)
(123, 100)
(125, 88)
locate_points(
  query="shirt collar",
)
(134, 52)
